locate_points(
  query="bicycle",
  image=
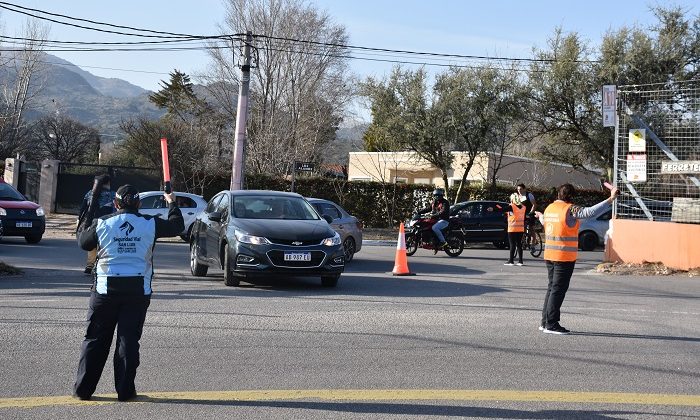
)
(532, 238)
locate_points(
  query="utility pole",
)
(241, 118)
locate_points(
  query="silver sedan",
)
(348, 227)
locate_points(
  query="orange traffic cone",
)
(401, 264)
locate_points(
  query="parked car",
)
(262, 233)
(19, 216)
(481, 221)
(591, 232)
(153, 203)
(348, 227)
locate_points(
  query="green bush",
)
(381, 205)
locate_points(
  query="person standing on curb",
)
(515, 214)
(561, 222)
(121, 290)
(96, 203)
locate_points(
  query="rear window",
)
(10, 194)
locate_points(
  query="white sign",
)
(637, 168)
(609, 105)
(680, 167)
(638, 140)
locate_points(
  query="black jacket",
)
(440, 209)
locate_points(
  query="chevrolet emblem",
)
(297, 243)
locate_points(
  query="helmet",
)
(128, 197)
(439, 192)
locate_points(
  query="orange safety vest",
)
(516, 219)
(561, 241)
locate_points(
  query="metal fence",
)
(657, 152)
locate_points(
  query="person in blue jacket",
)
(121, 290)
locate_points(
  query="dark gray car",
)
(348, 227)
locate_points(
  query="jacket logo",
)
(22, 212)
(127, 227)
(297, 243)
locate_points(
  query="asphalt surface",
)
(458, 340)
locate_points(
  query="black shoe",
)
(127, 398)
(88, 269)
(556, 329)
(81, 397)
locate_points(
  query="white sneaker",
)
(520, 264)
(508, 263)
(541, 328)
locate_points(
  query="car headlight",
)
(332, 241)
(40, 211)
(3, 212)
(250, 239)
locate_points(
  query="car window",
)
(471, 210)
(273, 207)
(328, 209)
(148, 202)
(606, 216)
(10, 194)
(222, 207)
(211, 207)
(185, 202)
(490, 210)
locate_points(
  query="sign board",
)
(304, 166)
(638, 140)
(680, 167)
(609, 105)
(637, 168)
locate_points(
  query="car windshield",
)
(272, 207)
(10, 194)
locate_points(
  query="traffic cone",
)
(401, 263)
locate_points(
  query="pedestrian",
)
(515, 214)
(526, 198)
(121, 290)
(561, 221)
(101, 205)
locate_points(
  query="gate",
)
(75, 179)
(657, 152)
(29, 179)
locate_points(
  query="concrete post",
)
(47, 186)
(11, 175)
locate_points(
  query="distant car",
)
(591, 232)
(264, 233)
(153, 203)
(629, 208)
(348, 227)
(481, 221)
(19, 216)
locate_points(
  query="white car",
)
(153, 203)
(591, 232)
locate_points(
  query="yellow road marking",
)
(356, 395)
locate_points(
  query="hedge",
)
(380, 205)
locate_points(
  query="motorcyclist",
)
(440, 210)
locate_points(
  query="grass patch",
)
(8, 270)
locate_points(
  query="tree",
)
(20, 83)
(298, 86)
(64, 139)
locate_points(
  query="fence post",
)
(47, 185)
(12, 168)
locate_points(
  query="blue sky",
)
(495, 28)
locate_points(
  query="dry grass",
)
(644, 269)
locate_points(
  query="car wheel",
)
(186, 237)
(587, 240)
(230, 279)
(197, 269)
(32, 239)
(330, 281)
(500, 244)
(349, 248)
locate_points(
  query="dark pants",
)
(515, 241)
(559, 274)
(127, 314)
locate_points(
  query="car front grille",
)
(277, 259)
(295, 242)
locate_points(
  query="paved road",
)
(459, 339)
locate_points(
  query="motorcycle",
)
(419, 234)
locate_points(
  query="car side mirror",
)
(215, 216)
(327, 218)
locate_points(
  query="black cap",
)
(102, 179)
(128, 196)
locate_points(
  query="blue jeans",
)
(437, 228)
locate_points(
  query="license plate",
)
(297, 256)
(23, 224)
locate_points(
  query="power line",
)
(17, 40)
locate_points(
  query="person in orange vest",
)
(561, 221)
(515, 213)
